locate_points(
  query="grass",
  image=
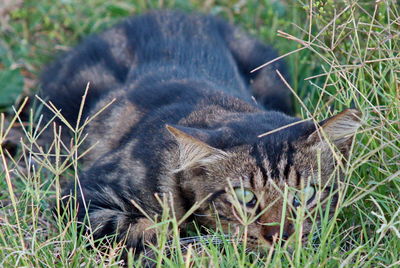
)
(340, 54)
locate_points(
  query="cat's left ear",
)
(339, 129)
(192, 151)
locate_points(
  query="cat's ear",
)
(192, 151)
(339, 129)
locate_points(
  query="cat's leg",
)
(249, 53)
(109, 215)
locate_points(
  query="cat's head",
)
(266, 183)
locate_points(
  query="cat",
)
(186, 122)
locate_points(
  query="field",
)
(340, 54)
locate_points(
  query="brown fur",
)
(184, 124)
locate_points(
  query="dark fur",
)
(191, 72)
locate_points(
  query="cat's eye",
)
(245, 196)
(308, 193)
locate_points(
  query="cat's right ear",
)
(339, 129)
(193, 152)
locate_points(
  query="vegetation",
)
(340, 54)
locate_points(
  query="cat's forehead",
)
(277, 159)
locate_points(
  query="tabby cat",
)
(186, 123)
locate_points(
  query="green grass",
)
(348, 53)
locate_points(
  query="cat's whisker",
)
(203, 238)
(202, 215)
(196, 242)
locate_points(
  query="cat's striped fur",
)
(184, 123)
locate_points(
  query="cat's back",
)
(162, 45)
(162, 35)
